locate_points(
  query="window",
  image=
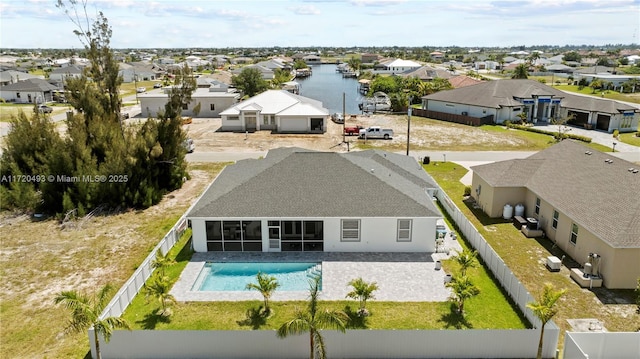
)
(404, 230)
(537, 205)
(212, 106)
(233, 118)
(554, 223)
(18, 94)
(350, 230)
(574, 233)
(234, 236)
(185, 106)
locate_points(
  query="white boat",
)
(379, 102)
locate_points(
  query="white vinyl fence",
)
(354, 344)
(263, 344)
(130, 289)
(601, 345)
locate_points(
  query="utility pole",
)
(344, 117)
(409, 123)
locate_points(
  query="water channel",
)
(327, 85)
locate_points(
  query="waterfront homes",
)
(212, 101)
(585, 201)
(302, 200)
(396, 66)
(505, 100)
(276, 110)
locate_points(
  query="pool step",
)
(314, 271)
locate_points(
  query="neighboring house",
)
(61, 74)
(584, 200)
(463, 81)
(437, 55)
(560, 68)
(486, 65)
(312, 59)
(276, 110)
(396, 66)
(267, 73)
(615, 80)
(28, 91)
(301, 200)
(427, 73)
(212, 102)
(11, 76)
(369, 58)
(274, 64)
(593, 70)
(506, 99)
(140, 72)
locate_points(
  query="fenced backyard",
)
(471, 343)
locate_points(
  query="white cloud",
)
(305, 10)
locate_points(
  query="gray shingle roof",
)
(34, 85)
(298, 183)
(502, 93)
(601, 197)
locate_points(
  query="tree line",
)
(99, 160)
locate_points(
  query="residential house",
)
(463, 81)
(613, 82)
(427, 73)
(212, 101)
(140, 72)
(276, 110)
(505, 100)
(11, 76)
(593, 70)
(61, 74)
(265, 72)
(301, 200)
(312, 59)
(369, 58)
(584, 200)
(29, 91)
(396, 66)
(437, 55)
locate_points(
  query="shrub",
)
(637, 134)
(555, 134)
(467, 191)
(616, 133)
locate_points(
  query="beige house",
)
(585, 201)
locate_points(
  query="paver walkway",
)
(401, 277)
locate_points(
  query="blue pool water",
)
(236, 276)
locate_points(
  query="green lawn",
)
(630, 139)
(609, 94)
(129, 88)
(488, 310)
(8, 110)
(523, 257)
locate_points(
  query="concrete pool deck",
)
(401, 277)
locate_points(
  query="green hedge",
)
(550, 133)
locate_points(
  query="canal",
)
(327, 85)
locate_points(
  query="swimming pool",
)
(235, 276)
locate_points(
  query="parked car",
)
(337, 117)
(45, 109)
(352, 130)
(375, 132)
(141, 89)
(157, 85)
(189, 145)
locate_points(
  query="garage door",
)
(294, 124)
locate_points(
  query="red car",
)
(352, 130)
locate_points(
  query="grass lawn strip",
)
(525, 257)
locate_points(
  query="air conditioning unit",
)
(587, 269)
(465, 113)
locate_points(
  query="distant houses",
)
(506, 100)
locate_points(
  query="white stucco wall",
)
(376, 235)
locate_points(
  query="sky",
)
(330, 23)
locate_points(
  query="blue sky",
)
(343, 23)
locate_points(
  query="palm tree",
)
(159, 288)
(362, 291)
(462, 289)
(521, 72)
(545, 309)
(162, 261)
(354, 63)
(312, 320)
(85, 313)
(466, 259)
(266, 286)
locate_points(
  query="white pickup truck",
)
(376, 132)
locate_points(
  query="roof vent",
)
(609, 161)
(372, 170)
(588, 153)
(635, 171)
(630, 169)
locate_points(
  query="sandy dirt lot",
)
(425, 134)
